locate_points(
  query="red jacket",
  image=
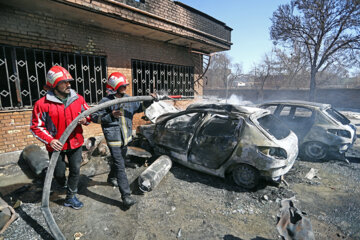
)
(50, 117)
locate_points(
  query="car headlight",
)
(276, 152)
(340, 133)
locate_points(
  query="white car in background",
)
(322, 131)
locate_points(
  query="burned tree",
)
(328, 31)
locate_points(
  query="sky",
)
(250, 21)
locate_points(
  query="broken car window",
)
(274, 126)
(272, 108)
(338, 116)
(285, 112)
(227, 126)
(186, 121)
(303, 112)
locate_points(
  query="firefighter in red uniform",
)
(50, 117)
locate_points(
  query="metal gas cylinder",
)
(152, 176)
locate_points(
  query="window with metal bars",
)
(23, 75)
(165, 79)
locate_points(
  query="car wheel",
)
(314, 151)
(246, 176)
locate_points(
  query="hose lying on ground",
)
(55, 231)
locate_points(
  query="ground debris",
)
(204, 207)
(291, 222)
(312, 174)
(178, 235)
(7, 215)
(78, 235)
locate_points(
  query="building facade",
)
(159, 45)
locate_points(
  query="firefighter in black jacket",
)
(116, 123)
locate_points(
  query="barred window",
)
(166, 79)
(23, 75)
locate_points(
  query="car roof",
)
(298, 103)
(225, 107)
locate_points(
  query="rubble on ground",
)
(292, 223)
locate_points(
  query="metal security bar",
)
(23, 75)
(166, 79)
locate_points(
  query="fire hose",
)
(54, 228)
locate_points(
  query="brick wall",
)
(16, 135)
(42, 31)
(179, 19)
(20, 28)
(177, 12)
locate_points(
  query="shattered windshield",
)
(337, 116)
(274, 126)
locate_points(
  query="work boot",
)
(112, 181)
(128, 201)
(73, 202)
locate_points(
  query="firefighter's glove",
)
(155, 96)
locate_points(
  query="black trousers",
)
(74, 158)
(117, 168)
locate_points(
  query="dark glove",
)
(155, 96)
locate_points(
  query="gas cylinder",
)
(152, 176)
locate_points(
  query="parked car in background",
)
(322, 131)
(220, 139)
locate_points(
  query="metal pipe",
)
(54, 228)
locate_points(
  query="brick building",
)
(159, 45)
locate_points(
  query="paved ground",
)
(191, 205)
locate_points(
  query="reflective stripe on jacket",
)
(117, 131)
(50, 117)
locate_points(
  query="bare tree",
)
(222, 72)
(333, 75)
(292, 65)
(325, 29)
(236, 73)
(262, 72)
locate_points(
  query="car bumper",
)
(276, 172)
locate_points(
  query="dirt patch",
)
(192, 205)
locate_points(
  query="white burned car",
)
(322, 131)
(221, 139)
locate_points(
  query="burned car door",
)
(298, 119)
(176, 133)
(303, 121)
(215, 140)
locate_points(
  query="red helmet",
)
(116, 80)
(57, 74)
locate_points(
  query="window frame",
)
(23, 74)
(165, 79)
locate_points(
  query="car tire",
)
(314, 151)
(246, 176)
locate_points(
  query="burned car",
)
(222, 139)
(322, 131)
